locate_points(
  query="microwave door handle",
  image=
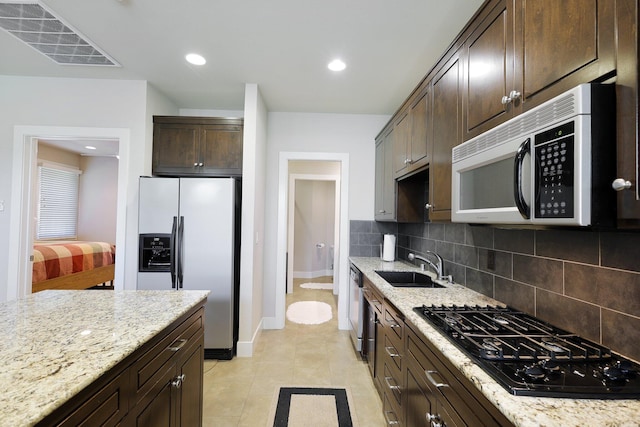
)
(172, 257)
(523, 150)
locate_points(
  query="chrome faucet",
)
(438, 266)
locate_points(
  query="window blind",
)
(58, 204)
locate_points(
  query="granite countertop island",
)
(55, 343)
(522, 411)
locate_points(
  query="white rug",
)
(309, 312)
(312, 285)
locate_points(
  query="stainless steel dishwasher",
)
(356, 307)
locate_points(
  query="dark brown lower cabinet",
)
(438, 395)
(160, 384)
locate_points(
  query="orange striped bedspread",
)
(55, 259)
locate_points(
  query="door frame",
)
(21, 233)
(340, 255)
(293, 178)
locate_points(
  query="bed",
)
(72, 265)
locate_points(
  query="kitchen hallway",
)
(240, 392)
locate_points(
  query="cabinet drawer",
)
(391, 415)
(146, 371)
(105, 408)
(393, 323)
(393, 352)
(392, 386)
(372, 296)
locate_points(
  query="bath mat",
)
(309, 312)
(308, 406)
(312, 285)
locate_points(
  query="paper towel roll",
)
(389, 247)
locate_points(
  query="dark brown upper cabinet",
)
(197, 146)
(523, 53)
(412, 134)
(447, 117)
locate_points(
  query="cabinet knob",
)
(382, 211)
(513, 95)
(407, 161)
(428, 206)
(200, 164)
(177, 381)
(195, 165)
(621, 184)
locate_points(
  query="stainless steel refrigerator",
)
(189, 239)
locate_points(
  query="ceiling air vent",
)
(42, 30)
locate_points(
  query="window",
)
(58, 203)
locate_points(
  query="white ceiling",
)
(282, 45)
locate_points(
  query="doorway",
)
(313, 221)
(23, 198)
(341, 242)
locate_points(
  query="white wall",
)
(98, 199)
(253, 203)
(314, 222)
(86, 103)
(330, 133)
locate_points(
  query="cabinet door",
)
(628, 108)
(159, 408)
(175, 149)
(221, 150)
(190, 392)
(385, 190)
(564, 43)
(419, 404)
(401, 141)
(420, 116)
(489, 69)
(446, 135)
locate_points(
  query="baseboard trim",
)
(245, 348)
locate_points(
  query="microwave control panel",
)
(554, 178)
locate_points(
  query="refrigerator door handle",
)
(180, 251)
(172, 244)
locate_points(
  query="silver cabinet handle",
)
(428, 206)
(176, 347)
(392, 352)
(505, 100)
(394, 325)
(621, 184)
(195, 165)
(387, 380)
(382, 211)
(177, 381)
(433, 381)
(408, 161)
(200, 164)
(390, 422)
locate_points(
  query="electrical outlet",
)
(491, 260)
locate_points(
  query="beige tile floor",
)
(240, 392)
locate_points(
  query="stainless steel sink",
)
(408, 279)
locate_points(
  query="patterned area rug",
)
(309, 312)
(306, 407)
(312, 285)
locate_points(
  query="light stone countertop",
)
(55, 343)
(523, 411)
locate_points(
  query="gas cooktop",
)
(529, 357)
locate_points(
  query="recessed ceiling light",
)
(196, 59)
(337, 65)
(89, 147)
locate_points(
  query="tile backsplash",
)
(585, 281)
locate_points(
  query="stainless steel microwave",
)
(552, 165)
